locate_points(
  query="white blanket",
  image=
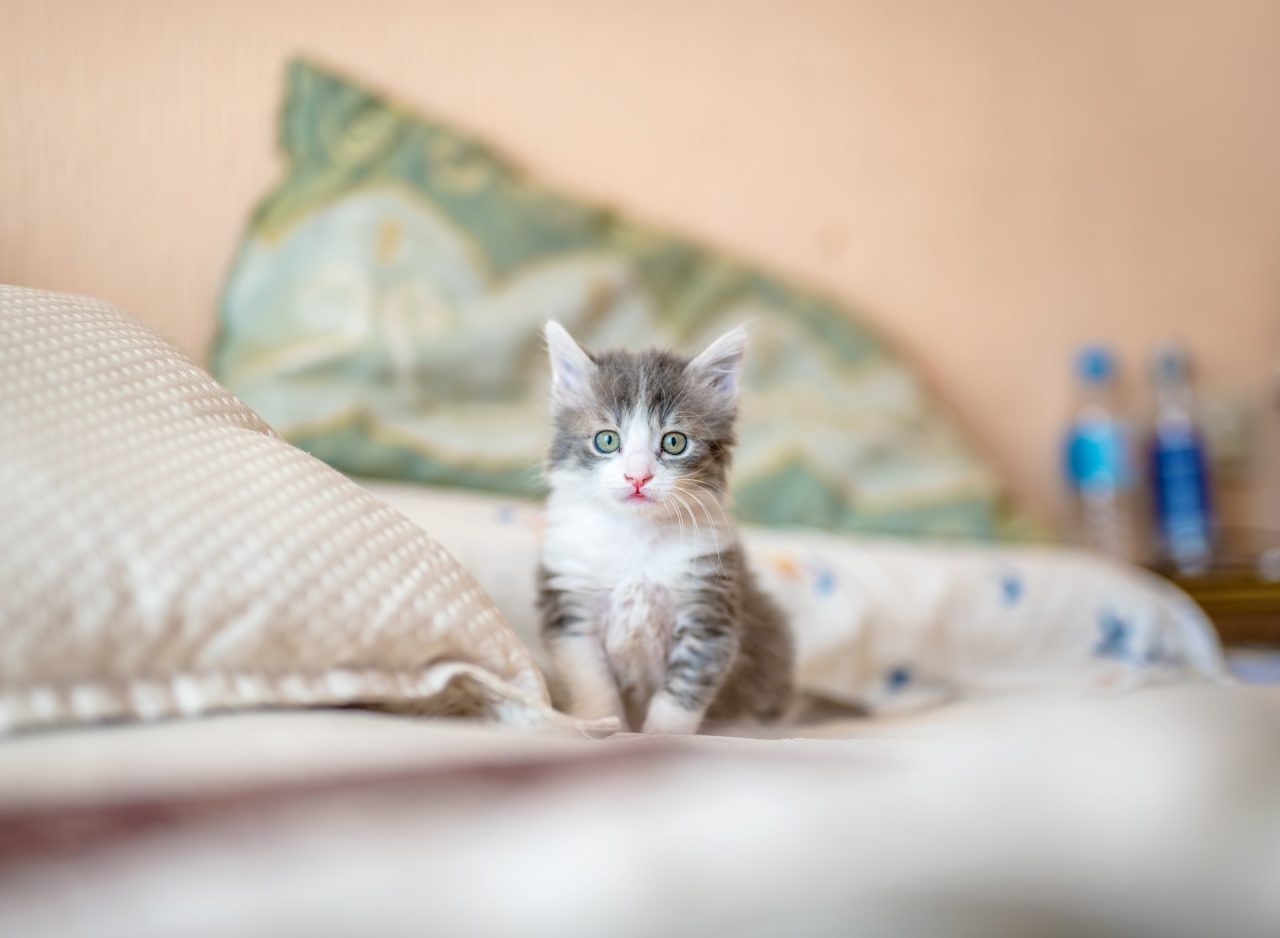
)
(895, 625)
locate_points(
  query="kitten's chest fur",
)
(637, 619)
(630, 577)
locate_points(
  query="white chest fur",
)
(629, 576)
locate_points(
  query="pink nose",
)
(638, 481)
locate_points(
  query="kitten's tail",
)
(807, 708)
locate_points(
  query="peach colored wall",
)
(993, 181)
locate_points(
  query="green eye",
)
(606, 441)
(673, 444)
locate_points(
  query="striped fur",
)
(649, 610)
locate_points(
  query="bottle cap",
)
(1095, 364)
(1170, 363)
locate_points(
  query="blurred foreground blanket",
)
(1155, 813)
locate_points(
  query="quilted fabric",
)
(164, 552)
(385, 307)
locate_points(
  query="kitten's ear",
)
(571, 367)
(720, 364)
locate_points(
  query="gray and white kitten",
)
(649, 612)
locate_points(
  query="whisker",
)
(697, 500)
(666, 502)
(684, 507)
(715, 501)
(705, 483)
(697, 527)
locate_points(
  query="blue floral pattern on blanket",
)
(897, 627)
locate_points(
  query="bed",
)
(244, 694)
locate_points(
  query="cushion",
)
(384, 312)
(164, 552)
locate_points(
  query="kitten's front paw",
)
(667, 716)
(598, 706)
(592, 714)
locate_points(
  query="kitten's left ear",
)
(720, 364)
(571, 367)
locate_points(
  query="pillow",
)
(163, 552)
(385, 306)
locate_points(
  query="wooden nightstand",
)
(1244, 606)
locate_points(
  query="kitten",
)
(649, 612)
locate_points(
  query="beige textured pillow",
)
(163, 552)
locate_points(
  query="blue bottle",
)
(1180, 490)
(1098, 460)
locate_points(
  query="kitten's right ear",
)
(571, 367)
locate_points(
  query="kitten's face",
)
(644, 432)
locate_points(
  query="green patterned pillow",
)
(385, 307)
